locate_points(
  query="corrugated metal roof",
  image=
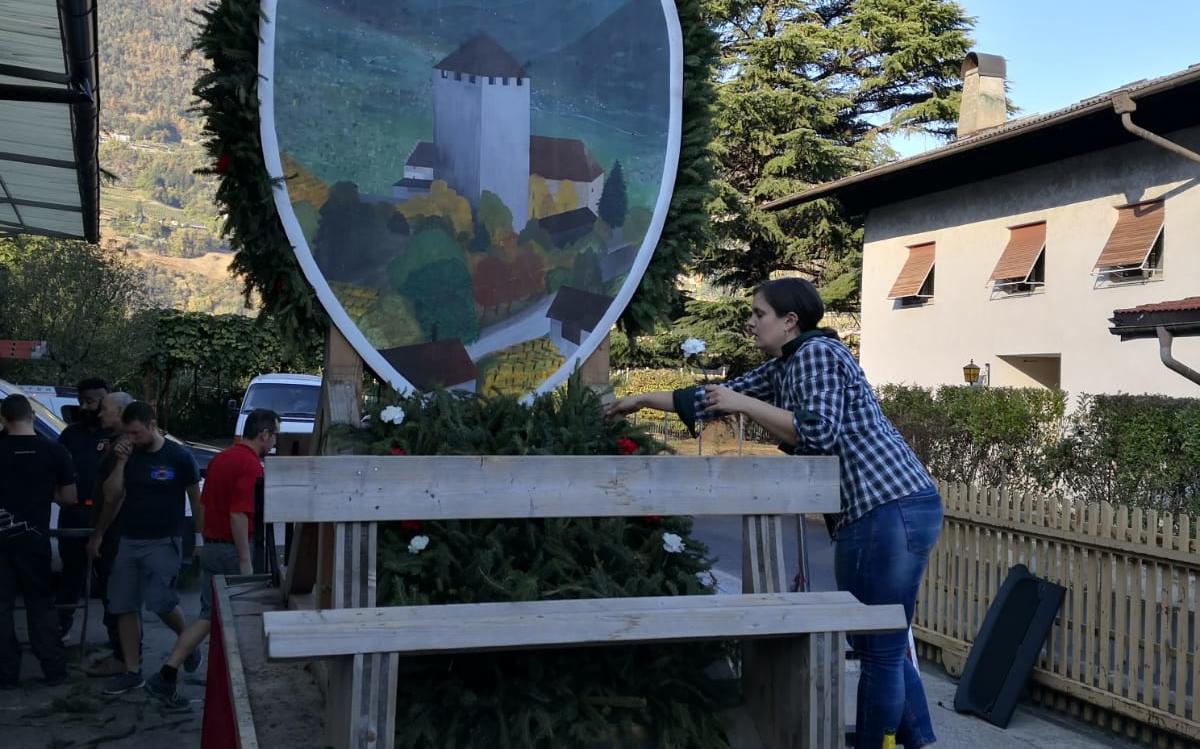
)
(49, 119)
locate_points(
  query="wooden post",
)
(340, 390)
(794, 687)
(360, 694)
(594, 372)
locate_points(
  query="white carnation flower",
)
(418, 544)
(692, 347)
(672, 543)
(706, 579)
(392, 415)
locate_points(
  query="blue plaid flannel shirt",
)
(835, 413)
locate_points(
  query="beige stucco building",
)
(1013, 245)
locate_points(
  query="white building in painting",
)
(481, 99)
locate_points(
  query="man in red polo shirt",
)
(228, 501)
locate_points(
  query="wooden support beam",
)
(794, 687)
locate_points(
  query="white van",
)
(294, 397)
(62, 401)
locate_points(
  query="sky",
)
(1062, 51)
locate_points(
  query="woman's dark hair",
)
(797, 296)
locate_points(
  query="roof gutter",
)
(77, 19)
(1125, 106)
(1165, 338)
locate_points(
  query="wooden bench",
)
(792, 657)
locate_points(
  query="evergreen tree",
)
(613, 202)
(810, 91)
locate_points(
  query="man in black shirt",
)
(33, 473)
(86, 440)
(152, 476)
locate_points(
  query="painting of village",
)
(473, 178)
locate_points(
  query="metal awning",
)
(49, 119)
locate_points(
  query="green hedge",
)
(1140, 450)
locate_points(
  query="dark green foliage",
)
(79, 298)
(718, 323)
(1125, 449)
(1134, 449)
(194, 362)
(442, 300)
(984, 436)
(686, 230)
(228, 94)
(809, 91)
(550, 698)
(354, 239)
(613, 202)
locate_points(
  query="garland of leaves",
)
(228, 96)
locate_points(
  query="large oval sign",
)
(473, 187)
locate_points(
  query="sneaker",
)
(127, 681)
(165, 693)
(107, 667)
(192, 662)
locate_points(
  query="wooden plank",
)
(373, 488)
(1124, 671)
(455, 630)
(400, 615)
(1106, 603)
(239, 693)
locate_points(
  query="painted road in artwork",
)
(474, 187)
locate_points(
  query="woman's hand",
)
(622, 406)
(718, 399)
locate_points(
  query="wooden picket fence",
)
(1123, 651)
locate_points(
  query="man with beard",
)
(86, 441)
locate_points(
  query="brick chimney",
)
(983, 102)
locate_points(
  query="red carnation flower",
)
(223, 163)
(399, 451)
(652, 519)
(626, 446)
(411, 525)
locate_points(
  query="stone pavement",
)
(77, 715)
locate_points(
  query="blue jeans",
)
(880, 558)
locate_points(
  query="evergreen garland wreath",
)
(228, 101)
(580, 697)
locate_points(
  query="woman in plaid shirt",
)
(812, 396)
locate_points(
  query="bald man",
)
(106, 534)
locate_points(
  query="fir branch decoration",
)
(545, 698)
(228, 96)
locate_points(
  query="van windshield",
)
(295, 401)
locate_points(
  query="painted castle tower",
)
(481, 124)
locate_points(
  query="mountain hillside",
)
(157, 209)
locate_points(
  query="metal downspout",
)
(1164, 352)
(1125, 106)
